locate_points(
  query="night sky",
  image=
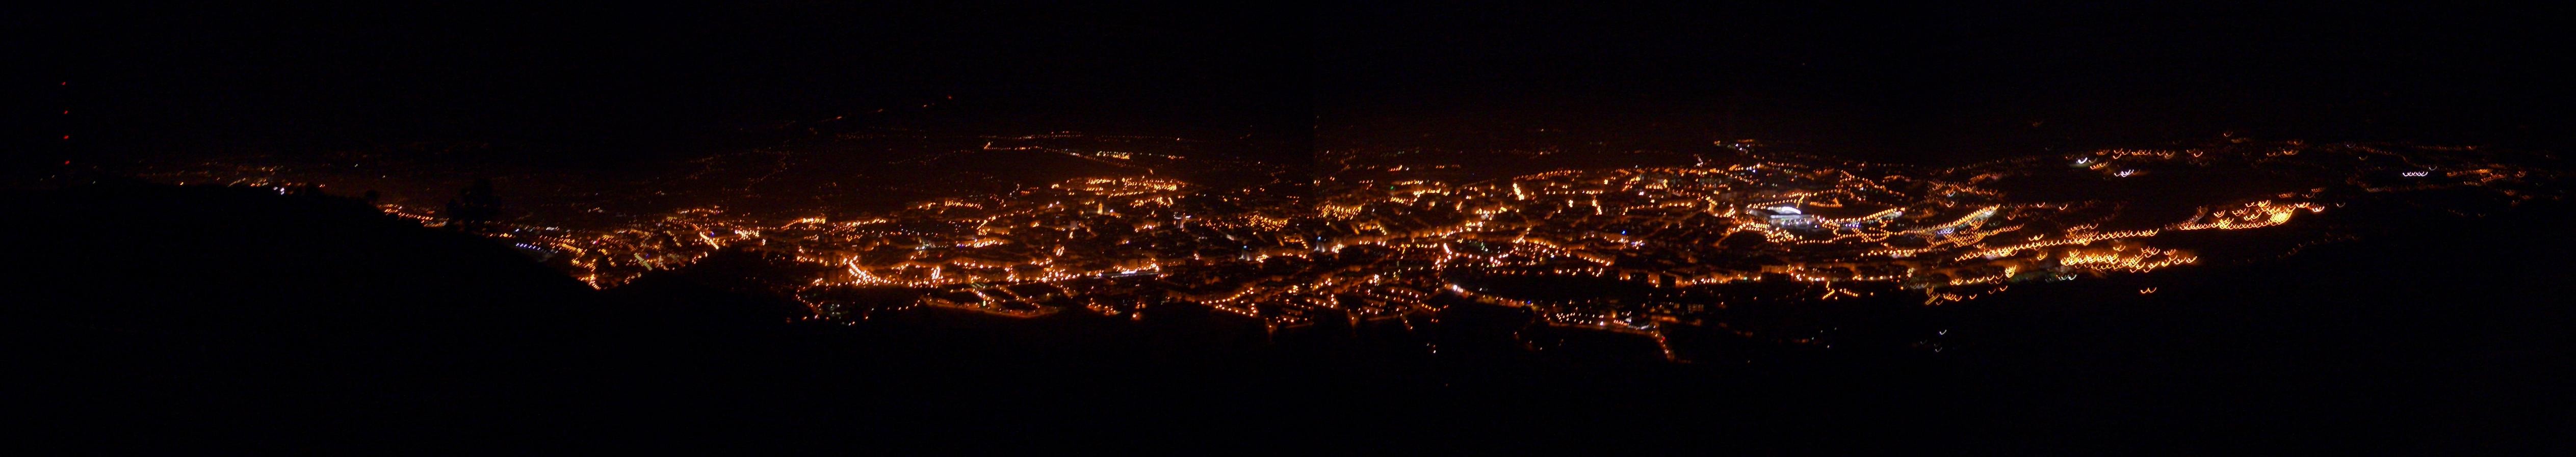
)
(1946, 83)
(1933, 84)
(610, 80)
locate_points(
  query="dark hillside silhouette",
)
(242, 319)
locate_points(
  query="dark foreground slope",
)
(2435, 335)
(210, 317)
(235, 320)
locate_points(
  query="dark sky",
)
(1912, 83)
(1957, 82)
(633, 76)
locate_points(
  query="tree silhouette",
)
(474, 209)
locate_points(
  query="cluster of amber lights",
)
(1389, 240)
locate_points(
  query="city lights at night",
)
(1574, 229)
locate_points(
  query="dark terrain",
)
(242, 320)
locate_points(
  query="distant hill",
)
(252, 263)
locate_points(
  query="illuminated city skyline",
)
(1387, 234)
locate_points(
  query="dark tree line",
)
(475, 209)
